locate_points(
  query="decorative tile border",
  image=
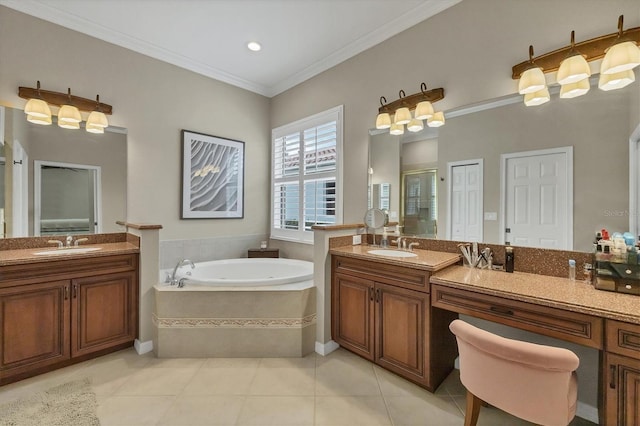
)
(234, 322)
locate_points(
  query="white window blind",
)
(306, 175)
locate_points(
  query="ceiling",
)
(300, 38)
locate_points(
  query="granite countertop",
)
(426, 259)
(23, 256)
(544, 290)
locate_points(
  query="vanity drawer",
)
(413, 279)
(20, 274)
(623, 338)
(566, 325)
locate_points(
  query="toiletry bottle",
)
(587, 272)
(572, 270)
(509, 259)
(384, 243)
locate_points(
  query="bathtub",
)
(244, 274)
(236, 308)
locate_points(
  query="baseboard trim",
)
(143, 347)
(588, 412)
(326, 348)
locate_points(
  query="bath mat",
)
(72, 403)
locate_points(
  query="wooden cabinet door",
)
(401, 326)
(623, 390)
(352, 310)
(103, 312)
(34, 325)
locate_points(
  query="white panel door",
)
(537, 187)
(466, 202)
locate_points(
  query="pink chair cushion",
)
(534, 382)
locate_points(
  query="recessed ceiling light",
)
(254, 46)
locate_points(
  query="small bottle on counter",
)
(509, 259)
(572, 270)
(587, 271)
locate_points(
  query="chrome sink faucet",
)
(399, 241)
(57, 242)
(69, 241)
(181, 262)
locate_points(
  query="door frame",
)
(634, 181)
(450, 166)
(568, 152)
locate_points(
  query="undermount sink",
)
(392, 253)
(61, 251)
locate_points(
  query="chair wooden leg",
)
(472, 410)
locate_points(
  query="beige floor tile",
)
(452, 384)
(337, 377)
(393, 385)
(106, 381)
(129, 357)
(284, 381)
(433, 410)
(176, 362)
(157, 381)
(277, 411)
(39, 383)
(195, 410)
(308, 361)
(341, 357)
(351, 410)
(231, 362)
(221, 381)
(133, 410)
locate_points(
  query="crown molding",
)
(49, 13)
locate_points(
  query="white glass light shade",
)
(73, 125)
(69, 113)
(620, 57)
(45, 121)
(573, 69)
(537, 98)
(97, 118)
(532, 80)
(437, 120)
(573, 90)
(403, 116)
(396, 129)
(616, 81)
(424, 110)
(92, 128)
(37, 108)
(383, 121)
(415, 125)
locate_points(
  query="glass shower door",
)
(419, 203)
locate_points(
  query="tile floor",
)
(339, 389)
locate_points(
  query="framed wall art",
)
(212, 177)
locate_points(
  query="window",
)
(306, 170)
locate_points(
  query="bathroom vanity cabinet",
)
(382, 313)
(621, 368)
(56, 312)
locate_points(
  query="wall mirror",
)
(57, 181)
(477, 142)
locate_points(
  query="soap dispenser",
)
(508, 259)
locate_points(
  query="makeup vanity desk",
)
(557, 307)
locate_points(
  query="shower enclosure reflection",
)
(419, 205)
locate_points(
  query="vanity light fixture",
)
(69, 116)
(37, 109)
(421, 102)
(623, 55)
(437, 120)
(532, 79)
(97, 118)
(620, 52)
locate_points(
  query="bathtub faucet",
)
(181, 262)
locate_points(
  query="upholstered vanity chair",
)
(533, 382)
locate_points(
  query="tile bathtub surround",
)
(339, 389)
(40, 242)
(549, 262)
(203, 249)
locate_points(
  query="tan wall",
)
(385, 163)
(154, 101)
(468, 50)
